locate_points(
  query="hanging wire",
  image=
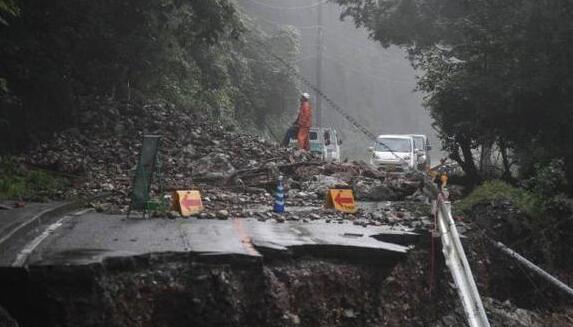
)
(538, 289)
(266, 5)
(486, 241)
(293, 72)
(346, 66)
(365, 131)
(365, 74)
(279, 24)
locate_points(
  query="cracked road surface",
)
(92, 237)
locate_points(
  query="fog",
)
(373, 84)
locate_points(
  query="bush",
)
(532, 204)
(549, 178)
(27, 184)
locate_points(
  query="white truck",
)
(324, 142)
(394, 152)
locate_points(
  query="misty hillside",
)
(375, 84)
(159, 166)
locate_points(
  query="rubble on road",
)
(319, 184)
(369, 189)
(237, 175)
(213, 167)
(235, 172)
(190, 148)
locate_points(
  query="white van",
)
(394, 152)
(325, 142)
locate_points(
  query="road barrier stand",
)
(341, 200)
(188, 203)
(279, 206)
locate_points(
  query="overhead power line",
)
(279, 24)
(347, 66)
(266, 5)
(292, 70)
(332, 104)
(368, 75)
(331, 34)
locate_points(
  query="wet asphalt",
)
(93, 237)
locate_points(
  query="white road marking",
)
(296, 231)
(17, 229)
(82, 212)
(29, 248)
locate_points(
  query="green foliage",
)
(549, 179)
(202, 56)
(8, 8)
(537, 205)
(495, 191)
(265, 89)
(493, 71)
(20, 183)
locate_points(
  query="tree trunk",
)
(485, 162)
(506, 165)
(467, 162)
(568, 156)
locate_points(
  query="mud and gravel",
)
(188, 290)
(236, 174)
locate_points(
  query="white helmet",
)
(306, 96)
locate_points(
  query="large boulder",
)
(405, 184)
(320, 184)
(353, 169)
(370, 189)
(214, 166)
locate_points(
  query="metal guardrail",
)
(452, 246)
(458, 264)
(533, 268)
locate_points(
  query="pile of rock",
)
(236, 172)
(104, 160)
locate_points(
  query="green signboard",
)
(146, 166)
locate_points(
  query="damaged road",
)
(93, 237)
(236, 263)
(94, 269)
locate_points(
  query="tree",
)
(67, 60)
(493, 71)
(8, 8)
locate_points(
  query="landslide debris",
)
(235, 172)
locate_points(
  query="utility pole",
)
(319, 41)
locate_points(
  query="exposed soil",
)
(181, 290)
(504, 278)
(188, 290)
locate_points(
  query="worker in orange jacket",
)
(304, 122)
